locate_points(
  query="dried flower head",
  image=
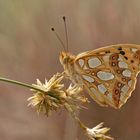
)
(51, 97)
(95, 133)
(74, 98)
(98, 133)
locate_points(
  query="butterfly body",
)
(108, 74)
(68, 62)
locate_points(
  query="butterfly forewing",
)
(109, 74)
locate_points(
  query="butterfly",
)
(108, 74)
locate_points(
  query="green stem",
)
(20, 84)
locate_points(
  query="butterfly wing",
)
(109, 74)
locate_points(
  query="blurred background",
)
(29, 50)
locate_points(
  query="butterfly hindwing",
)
(109, 74)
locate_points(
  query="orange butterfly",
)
(108, 74)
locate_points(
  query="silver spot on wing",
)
(127, 73)
(122, 64)
(81, 62)
(94, 62)
(125, 89)
(124, 94)
(105, 75)
(102, 88)
(88, 78)
(130, 83)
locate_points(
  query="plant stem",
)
(20, 84)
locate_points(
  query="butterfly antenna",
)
(66, 32)
(58, 37)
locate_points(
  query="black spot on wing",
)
(122, 52)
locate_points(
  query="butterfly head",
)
(67, 61)
(66, 58)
